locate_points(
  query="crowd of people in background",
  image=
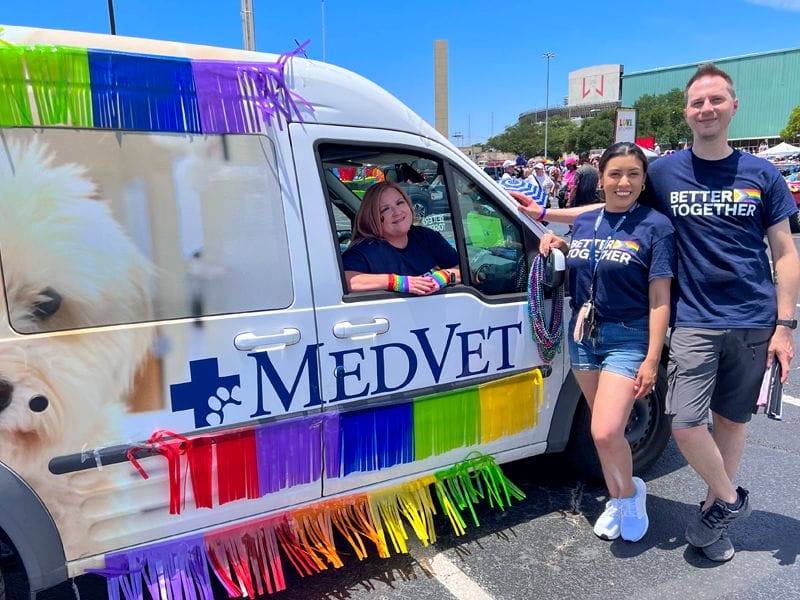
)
(574, 181)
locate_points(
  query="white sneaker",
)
(607, 524)
(634, 521)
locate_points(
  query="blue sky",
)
(495, 48)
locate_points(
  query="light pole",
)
(248, 27)
(323, 30)
(111, 17)
(547, 56)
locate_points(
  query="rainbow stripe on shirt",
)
(748, 196)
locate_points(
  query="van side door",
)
(413, 383)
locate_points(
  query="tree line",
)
(659, 116)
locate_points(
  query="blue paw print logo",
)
(207, 393)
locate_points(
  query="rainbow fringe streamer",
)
(465, 484)
(253, 462)
(237, 468)
(376, 438)
(143, 93)
(445, 422)
(58, 85)
(510, 406)
(248, 558)
(58, 79)
(177, 570)
(289, 453)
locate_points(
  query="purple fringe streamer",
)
(244, 97)
(333, 445)
(175, 570)
(289, 453)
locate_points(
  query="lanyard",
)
(593, 262)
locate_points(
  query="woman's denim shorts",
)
(616, 347)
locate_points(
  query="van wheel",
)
(794, 223)
(647, 431)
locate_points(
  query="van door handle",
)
(250, 341)
(346, 329)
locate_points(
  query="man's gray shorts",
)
(717, 368)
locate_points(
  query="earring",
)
(642, 187)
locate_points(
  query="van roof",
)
(338, 96)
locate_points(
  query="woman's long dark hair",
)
(622, 149)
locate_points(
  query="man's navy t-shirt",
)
(426, 250)
(721, 211)
(642, 249)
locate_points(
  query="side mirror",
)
(555, 269)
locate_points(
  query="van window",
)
(350, 170)
(494, 242)
(198, 219)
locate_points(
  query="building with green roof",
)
(767, 85)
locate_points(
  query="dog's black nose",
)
(6, 391)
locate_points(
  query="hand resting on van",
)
(389, 252)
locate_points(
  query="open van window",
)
(493, 243)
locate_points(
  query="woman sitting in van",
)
(389, 252)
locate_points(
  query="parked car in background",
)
(495, 171)
(794, 187)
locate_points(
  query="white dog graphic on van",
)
(66, 266)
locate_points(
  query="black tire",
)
(648, 432)
(794, 223)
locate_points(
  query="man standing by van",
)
(723, 203)
(730, 319)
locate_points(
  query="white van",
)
(182, 368)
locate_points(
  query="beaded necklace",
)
(548, 339)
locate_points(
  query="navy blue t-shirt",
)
(426, 250)
(721, 211)
(642, 249)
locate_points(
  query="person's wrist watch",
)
(790, 323)
(451, 278)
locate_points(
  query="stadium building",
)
(767, 84)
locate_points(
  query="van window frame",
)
(530, 244)
(449, 167)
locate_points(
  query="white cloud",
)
(793, 5)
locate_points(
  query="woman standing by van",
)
(621, 262)
(389, 252)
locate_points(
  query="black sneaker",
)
(707, 527)
(720, 551)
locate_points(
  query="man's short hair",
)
(709, 70)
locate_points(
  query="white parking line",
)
(456, 581)
(791, 400)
